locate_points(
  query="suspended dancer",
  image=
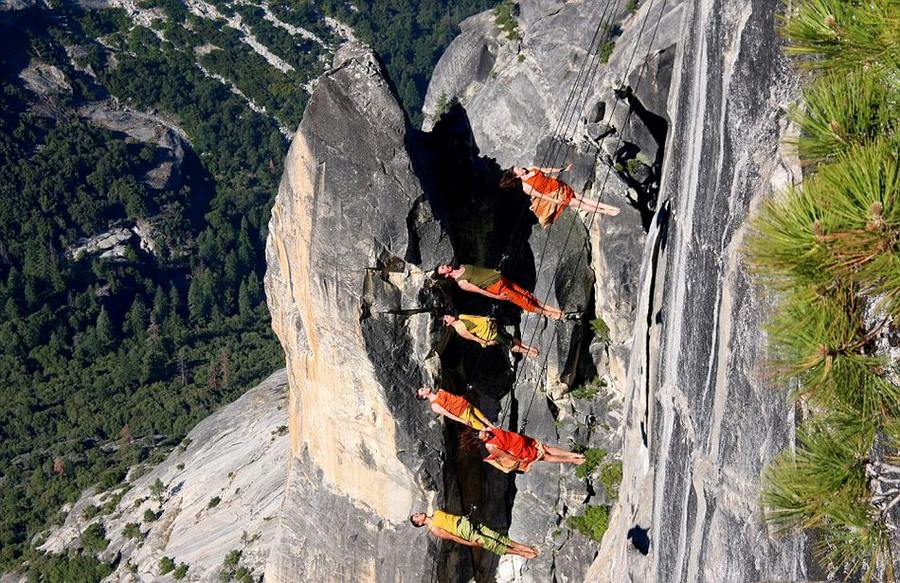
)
(550, 196)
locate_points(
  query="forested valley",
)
(132, 258)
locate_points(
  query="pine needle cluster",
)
(830, 249)
(843, 35)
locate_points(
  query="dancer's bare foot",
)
(610, 210)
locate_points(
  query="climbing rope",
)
(605, 180)
(601, 35)
(583, 79)
(593, 69)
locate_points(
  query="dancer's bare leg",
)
(559, 459)
(561, 452)
(591, 206)
(550, 312)
(526, 350)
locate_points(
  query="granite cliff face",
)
(702, 420)
(369, 206)
(343, 251)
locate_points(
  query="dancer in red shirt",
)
(510, 451)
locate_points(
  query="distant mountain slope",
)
(140, 149)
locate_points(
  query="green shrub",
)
(232, 558)
(593, 458)
(606, 50)
(631, 6)
(166, 565)
(158, 489)
(90, 512)
(112, 478)
(131, 531)
(181, 571)
(93, 539)
(588, 390)
(232, 571)
(593, 523)
(64, 568)
(505, 18)
(150, 516)
(213, 502)
(601, 329)
(611, 478)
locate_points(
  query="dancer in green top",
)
(493, 284)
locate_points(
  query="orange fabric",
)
(453, 404)
(520, 446)
(548, 211)
(507, 463)
(543, 183)
(514, 293)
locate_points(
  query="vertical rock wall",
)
(515, 94)
(343, 253)
(702, 420)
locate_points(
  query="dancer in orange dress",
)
(549, 196)
(510, 451)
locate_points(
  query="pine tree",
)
(104, 331)
(174, 302)
(225, 367)
(157, 490)
(232, 270)
(200, 301)
(182, 366)
(153, 363)
(254, 289)
(245, 305)
(245, 247)
(174, 325)
(160, 306)
(136, 319)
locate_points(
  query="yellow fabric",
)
(481, 326)
(446, 521)
(472, 417)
